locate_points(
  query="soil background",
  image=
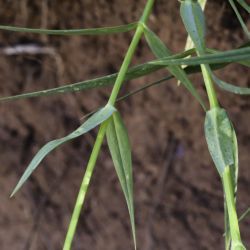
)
(178, 195)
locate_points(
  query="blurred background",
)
(178, 195)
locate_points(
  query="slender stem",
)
(232, 236)
(103, 127)
(138, 90)
(125, 64)
(212, 97)
(230, 203)
(147, 10)
(130, 52)
(84, 186)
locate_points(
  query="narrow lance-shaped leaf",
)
(190, 52)
(229, 87)
(120, 150)
(223, 148)
(235, 55)
(70, 32)
(220, 137)
(193, 19)
(133, 73)
(189, 43)
(160, 50)
(91, 123)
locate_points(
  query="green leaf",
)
(235, 55)
(91, 123)
(243, 25)
(156, 45)
(70, 32)
(245, 214)
(192, 51)
(229, 87)
(189, 43)
(243, 63)
(133, 73)
(120, 150)
(160, 50)
(220, 137)
(194, 22)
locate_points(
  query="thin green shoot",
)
(71, 32)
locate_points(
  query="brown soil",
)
(178, 195)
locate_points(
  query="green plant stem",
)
(230, 202)
(147, 11)
(230, 217)
(232, 230)
(130, 52)
(212, 97)
(84, 186)
(126, 62)
(231, 221)
(103, 127)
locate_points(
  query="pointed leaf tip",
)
(120, 150)
(88, 125)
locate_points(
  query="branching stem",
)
(101, 133)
